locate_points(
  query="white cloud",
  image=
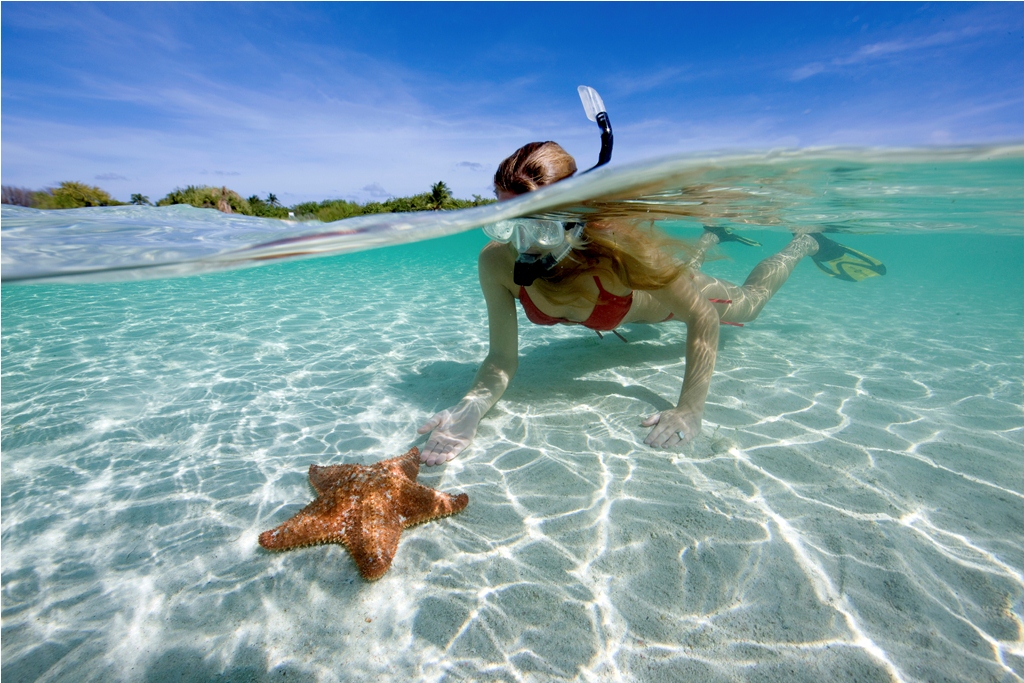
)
(323, 122)
(624, 85)
(377, 191)
(889, 49)
(808, 70)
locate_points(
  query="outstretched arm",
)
(683, 422)
(453, 429)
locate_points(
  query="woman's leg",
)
(764, 280)
(714, 234)
(707, 240)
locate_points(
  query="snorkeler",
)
(602, 274)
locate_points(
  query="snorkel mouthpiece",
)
(529, 267)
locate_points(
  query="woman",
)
(600, 275)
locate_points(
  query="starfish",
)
(366, 508)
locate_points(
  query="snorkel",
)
(594, 106)
(529, 267)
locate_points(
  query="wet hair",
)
(533, 166)
(641, 258)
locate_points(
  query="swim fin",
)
(844, 263)
(727, 235)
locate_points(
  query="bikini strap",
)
(602, 292)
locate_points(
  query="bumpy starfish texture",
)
(366, 508)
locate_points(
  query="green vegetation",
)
(67, 195)
(267, 208)
(206, 197)
(73, 195)
(438, 199)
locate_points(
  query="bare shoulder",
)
(610, 280)
(496, 264)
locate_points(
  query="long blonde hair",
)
(641, 258)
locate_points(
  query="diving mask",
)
(524, 233)
(554, 238)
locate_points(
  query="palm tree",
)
(440, 195)
(140, 199)
(272, 199)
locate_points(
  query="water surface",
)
(853, 511)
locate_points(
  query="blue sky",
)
(362, 101)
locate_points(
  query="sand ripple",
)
(853, 512)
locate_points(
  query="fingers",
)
(433, 448)
(666, 435)
(432, 423)
(672, 428)
(434, 458)
(437, 451)
(446, 441)
(651, 421)
(657, 437)
(661, 438)
(664, 439)
(432, 453)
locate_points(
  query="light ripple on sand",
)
(852, 511)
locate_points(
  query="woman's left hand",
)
(672, 427)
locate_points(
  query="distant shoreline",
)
(73, 195)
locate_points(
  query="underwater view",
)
(853, 509)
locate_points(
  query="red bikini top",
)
(608, 312)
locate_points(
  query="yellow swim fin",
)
(844, 263)
(727, 235)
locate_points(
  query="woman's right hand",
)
(451, 431)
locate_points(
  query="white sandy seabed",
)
(854, 510)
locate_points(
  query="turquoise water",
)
(853, 511)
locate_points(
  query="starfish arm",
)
(410, 463)
(406, 465)
(319, 522)
(323, 478)
(418, 503)
(374, 542)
